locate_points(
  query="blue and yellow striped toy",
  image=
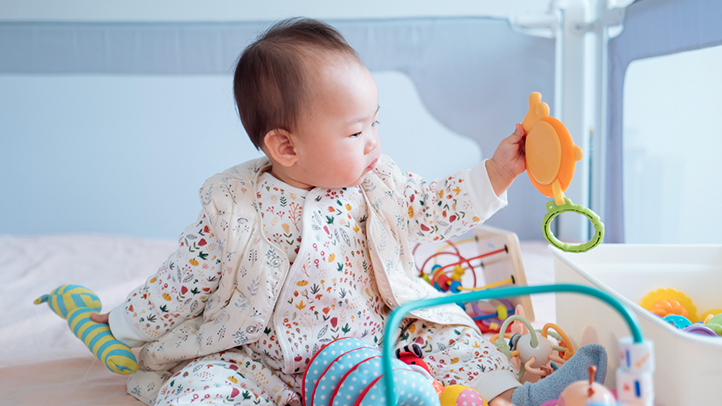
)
(75, 304)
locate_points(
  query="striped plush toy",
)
(75, 304)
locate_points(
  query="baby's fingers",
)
(519, 130)
(99, 318)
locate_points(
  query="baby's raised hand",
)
(508, 161)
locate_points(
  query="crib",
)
(99, 102)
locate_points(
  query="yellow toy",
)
(75, 304)
(714, 323)
(664, 302)
(708, 315)
(458, 395)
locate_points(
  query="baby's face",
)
(336, 134)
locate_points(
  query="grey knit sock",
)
(576, 369)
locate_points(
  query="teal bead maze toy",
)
(634, 375)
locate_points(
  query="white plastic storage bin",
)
(689, 366)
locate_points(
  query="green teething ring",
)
(568, 206)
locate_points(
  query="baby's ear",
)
(278, 144)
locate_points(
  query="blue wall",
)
(112, 154)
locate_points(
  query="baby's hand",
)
(99, 318)
(508, 161)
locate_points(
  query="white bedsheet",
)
(42, 362)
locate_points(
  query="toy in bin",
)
(677, 309)
(550, 159)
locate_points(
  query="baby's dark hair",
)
(270, 83)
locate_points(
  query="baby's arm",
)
(448, 207)
(175, 293)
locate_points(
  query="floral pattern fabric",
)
(226, 378)
(456, 355)
(281, 206)
(437, 210)
(181, 286)
(332, 293)
(404, 207)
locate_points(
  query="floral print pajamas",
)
(330, 292)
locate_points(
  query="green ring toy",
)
(554, 210)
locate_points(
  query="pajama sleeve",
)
(175, 293)
(447, 207)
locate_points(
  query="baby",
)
(312, 243)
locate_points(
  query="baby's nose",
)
(371, 144)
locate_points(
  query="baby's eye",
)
(355, 135)
(377, 122)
